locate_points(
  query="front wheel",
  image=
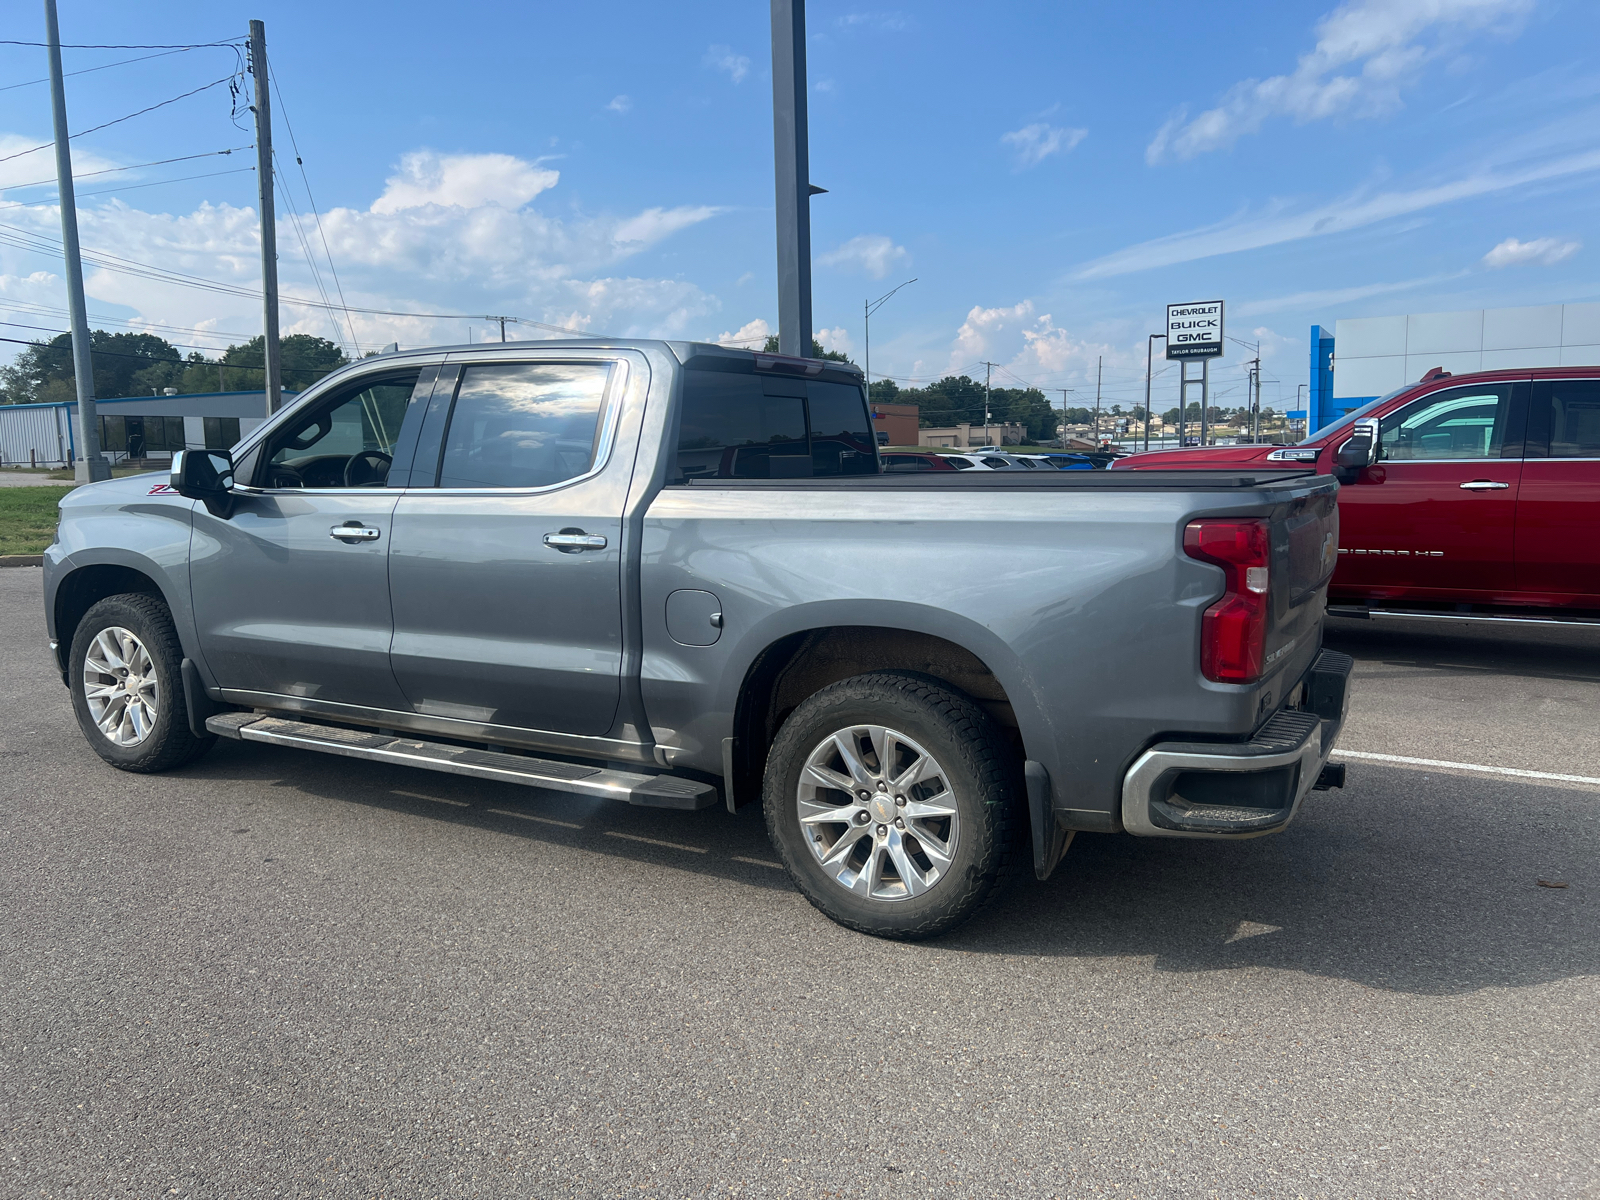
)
(894, 804)
(127, 685)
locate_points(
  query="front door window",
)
(1467, 422)
(346, 441)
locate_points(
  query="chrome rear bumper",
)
(1241, 789)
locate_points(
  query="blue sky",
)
(1052, 174)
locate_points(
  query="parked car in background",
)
(1070, 462)
(1478, 490)
(897, 462)
(669, 574)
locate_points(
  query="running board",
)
(650, 791)
(1405, 614)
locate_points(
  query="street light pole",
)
(792, 157)
(91, 466)
(868, 307)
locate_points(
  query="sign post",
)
(1194, 330)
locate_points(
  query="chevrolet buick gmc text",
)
(674, 574)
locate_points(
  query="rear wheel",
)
(893, 803)
(126, 677)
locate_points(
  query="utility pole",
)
(1255, 407)
(272, 363)
(1099, 366)
(792, 158)
(1062, 436)
(988, 370)
(91, 466)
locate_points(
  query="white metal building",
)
(1375, 355)
(143, 427)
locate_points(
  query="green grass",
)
(28, 518)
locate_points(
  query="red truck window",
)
(1465, 422)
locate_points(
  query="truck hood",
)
(1200, 458)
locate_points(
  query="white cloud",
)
(723, 58)
(1545, 251)
(463, 181)
(752, 335)
(620, 104)
(654, 224)
(975, 339)
(39, 167)
(448, 234)
(1327, 297)
(1367, 51)
(1037, 142)
(837, 338)
(891, 22)
(1279, 224)
(870, 252)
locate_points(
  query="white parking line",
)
(1434, 762)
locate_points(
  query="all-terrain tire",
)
(978, 771)
(169, 742)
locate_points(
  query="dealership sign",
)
(1194, 330)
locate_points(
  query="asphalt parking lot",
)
(282, 974)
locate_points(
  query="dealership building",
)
(1367, 357)
(131, 427)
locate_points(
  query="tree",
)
(885, 391)
(771, 347)
(125, 364)
(134, 364)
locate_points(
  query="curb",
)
(21, 560)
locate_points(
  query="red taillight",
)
(1233, 632)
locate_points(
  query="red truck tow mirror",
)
(1358, 452)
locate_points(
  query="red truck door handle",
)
(1484, 485)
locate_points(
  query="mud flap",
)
(1050, 841)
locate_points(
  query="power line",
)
(139, 270)
(120, 120)
(91, 70)
(130, 187)
(65, 46)
(160, 162)
(315, 213)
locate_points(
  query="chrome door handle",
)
(351, 534)
(1484, 485)
(574, 540)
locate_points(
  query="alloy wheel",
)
(877, 812)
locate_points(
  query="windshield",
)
(1355, 414)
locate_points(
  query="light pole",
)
(1149, 347)
(1301, 408)
(868, 307)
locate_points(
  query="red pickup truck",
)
(1478, 490)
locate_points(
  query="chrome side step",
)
(1404, 614)
(651, 791)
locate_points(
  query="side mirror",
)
(207, 476)
(1358, 452)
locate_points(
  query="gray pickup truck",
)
(674, 574)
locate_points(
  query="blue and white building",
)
(1365, 357)
(141, 427)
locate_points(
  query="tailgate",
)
(1305, 550)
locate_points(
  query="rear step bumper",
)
(1243, 789)
(650, 791)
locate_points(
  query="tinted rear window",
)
(738, 426)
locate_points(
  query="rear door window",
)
(749, 426)
(1571, 407)
(524, 425)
